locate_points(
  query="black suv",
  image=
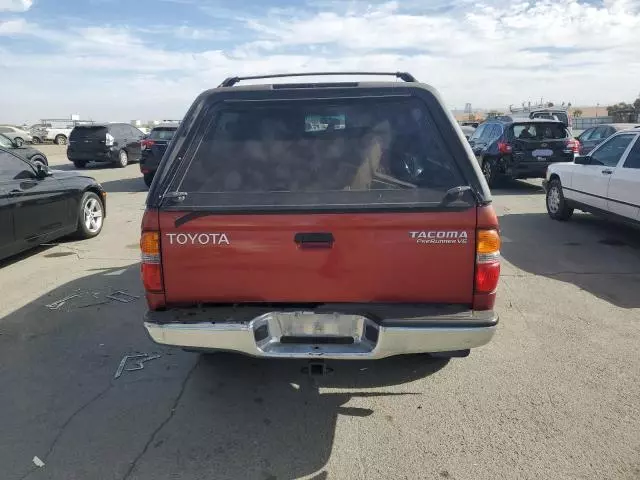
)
(153, 147)
(118, 143)
(514, 148)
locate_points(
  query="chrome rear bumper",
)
(327, 335)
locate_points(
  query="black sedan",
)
(25, 152)
(38, 205)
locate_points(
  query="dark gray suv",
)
(117, 143)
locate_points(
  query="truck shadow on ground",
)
(88, 167)
(594, 254)
(516, 187)
(265, 419)
(184, 415)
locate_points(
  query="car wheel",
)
(80, 164)
(148, 178)
(557, 207)
(490, 172)
(39, 159)
(18, 141)
(123, 159)
(90, 216)
(60, 140)
(36, 141)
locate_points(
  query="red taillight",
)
(151, 265)
(151, 261)
(152, 277)
(487, 276)
(504, 148)
(146, 143)
(487, 260)
(573, 145)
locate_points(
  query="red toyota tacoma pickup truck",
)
(344, 220)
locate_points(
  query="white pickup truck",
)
(605, 182)
(52, 131)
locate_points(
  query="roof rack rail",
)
(231, 81)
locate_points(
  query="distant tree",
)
(622, 112)
(636, 105)
(617, 107)
(577, 113)
(550, 104)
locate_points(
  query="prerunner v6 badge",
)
(440, 237)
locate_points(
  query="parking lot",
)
(555, 395)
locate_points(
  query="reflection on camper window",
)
(320, 123)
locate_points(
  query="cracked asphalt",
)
(556, 395)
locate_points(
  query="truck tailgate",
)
(373, 257)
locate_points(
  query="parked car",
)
(324, 220)
(17, 135)
(153, 147)
(468, 131)
(40, 205)
(604, 182)
(508, 148)
(58, 135)
(552, 114)
(559, 113)
(27, 153)
(56, 131)
(38, 133)
(118, 143)
(595, 135)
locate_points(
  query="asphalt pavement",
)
(555, 395)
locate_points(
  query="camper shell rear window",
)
(339, 153)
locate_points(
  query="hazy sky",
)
(144, 59)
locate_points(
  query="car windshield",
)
(96, 131)
(560, 116)
(539, 131)
(5, 142)
(162, 133)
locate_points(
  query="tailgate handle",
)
(314, 240)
